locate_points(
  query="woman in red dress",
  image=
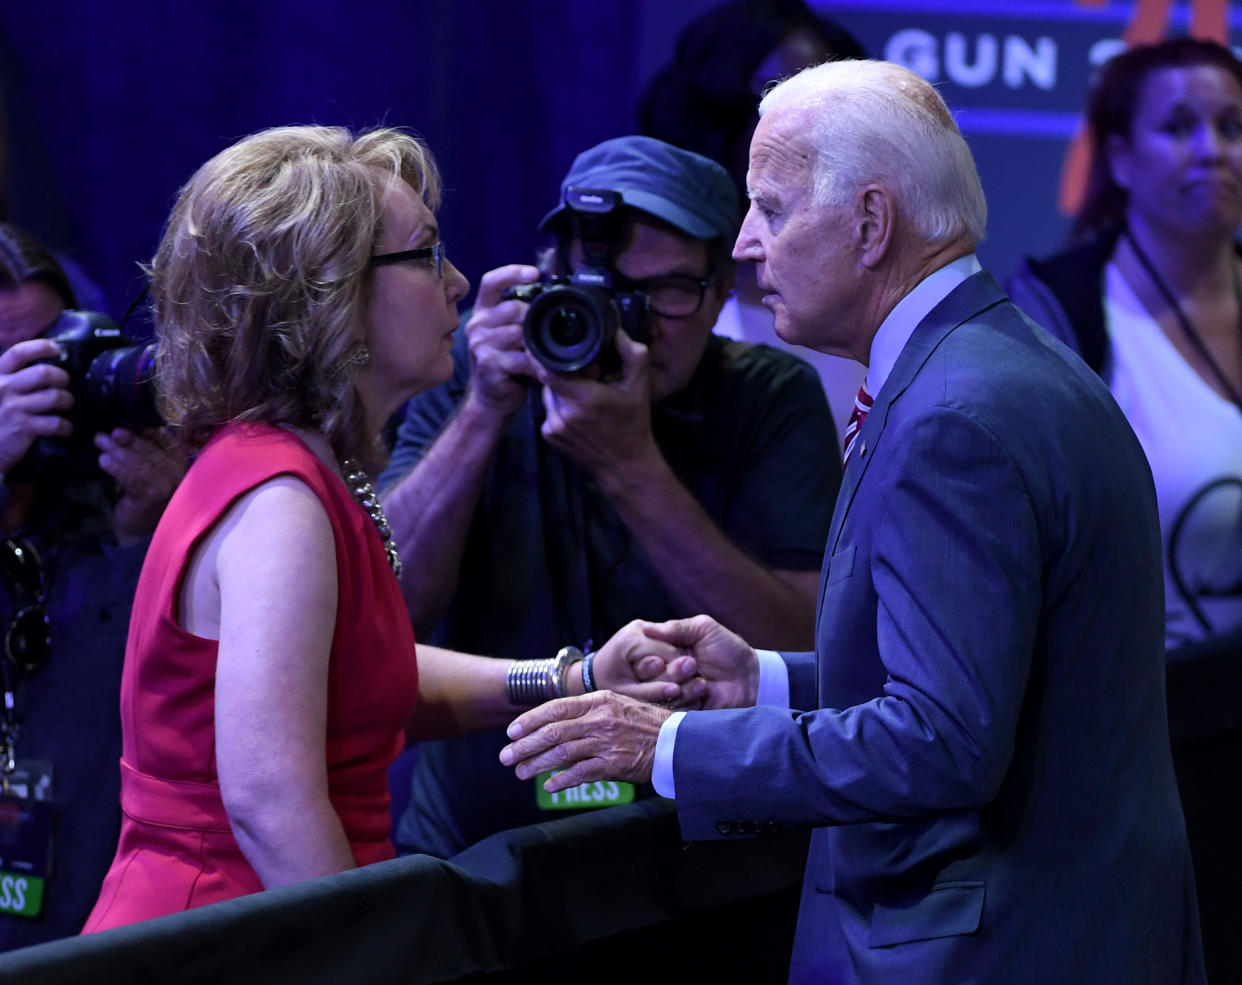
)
(301, 295)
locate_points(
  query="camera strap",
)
(133, 305)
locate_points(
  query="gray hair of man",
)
(873, 121)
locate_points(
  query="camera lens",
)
(120, 387)
(568, 326)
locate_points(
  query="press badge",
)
(601, 793)
(26, 839)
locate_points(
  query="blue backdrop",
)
(111, 106)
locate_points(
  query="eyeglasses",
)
(424, 253)
(672, 296)
(28, 638)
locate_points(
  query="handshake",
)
(645, 672)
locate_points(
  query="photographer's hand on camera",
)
(147, 468)
(33, 396)
(605, 427)
(500, 369)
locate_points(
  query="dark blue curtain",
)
(111, 106)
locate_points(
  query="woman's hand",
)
(641, 666)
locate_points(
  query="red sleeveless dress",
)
(176, 848)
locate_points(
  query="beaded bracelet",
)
(588, 672)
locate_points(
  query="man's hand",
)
(600, 736)
(33, 396)
(147, 469)
(603, 427)
(725, 662)
(500, 368)
(642, 667)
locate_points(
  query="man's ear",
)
(875, 221)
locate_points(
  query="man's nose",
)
(746, 249)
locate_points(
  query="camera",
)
(112, 379)
(572, 321)
(113, 385)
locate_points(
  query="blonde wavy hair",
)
(260, 283)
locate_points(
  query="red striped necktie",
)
(862, 407)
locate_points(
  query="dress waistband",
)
(172, 803)
(197, 805)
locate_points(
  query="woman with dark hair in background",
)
(302, 294)
(1150, 294)
(707, 100)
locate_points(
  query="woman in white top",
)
(1151, 296)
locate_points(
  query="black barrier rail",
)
(613, 896)
(609, 896)
(1204, 685)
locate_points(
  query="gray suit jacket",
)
(988, 767)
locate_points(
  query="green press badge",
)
(25, 841)
(26, 817)
(601, 793)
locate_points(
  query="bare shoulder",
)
(271, 548)
(277, 567)
(283, 511)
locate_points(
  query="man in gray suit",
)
(987, 766)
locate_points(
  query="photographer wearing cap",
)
(674, 474)
(70, 554)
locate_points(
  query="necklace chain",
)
(1187, 328)
(360, 488)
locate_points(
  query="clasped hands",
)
(610, 734)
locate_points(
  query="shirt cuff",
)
(773, 679)
(662, 768)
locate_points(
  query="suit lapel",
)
(966, 301)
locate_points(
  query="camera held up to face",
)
(112, 382)
(112, 379)
(572, 321)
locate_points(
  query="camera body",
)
(572, 321)
(112, 379)
(113, 385)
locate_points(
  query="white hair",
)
(873, 121)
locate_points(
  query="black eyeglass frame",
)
(702, 283)
(433, 252)
(28, 638)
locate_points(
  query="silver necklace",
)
(360, 488)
